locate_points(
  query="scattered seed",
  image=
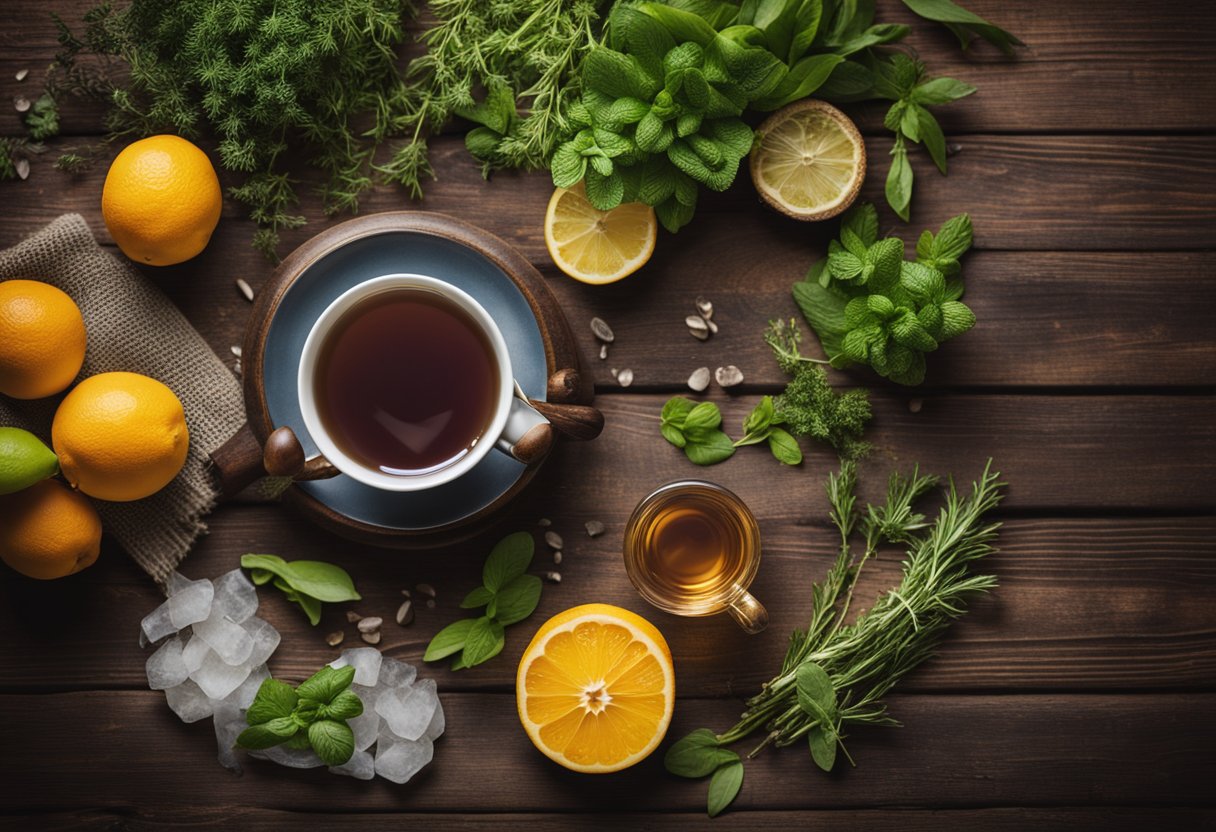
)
(236, 368)
(699, 334)
(713, 327)
(602, 330)
(407, 593)
(729, 376)
(953, 148)
(594, 528)
(21, 73)
(21, 103)
(705, 308)
(405, 613)
(426, 589)
(23, 168)
(544, 522)
(335, 638)
(603, 352)
(370, 624)
(699, 380)
(553, 577)
(625, 377)
(553, 539)
(613, 371)
(353, 617)
(372, 637)
(430, 603)
(696, 322)
(557, 558)
(245, 289)
(914, 405)
(235, 350)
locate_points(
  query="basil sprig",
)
(311, 716)
(304, 582)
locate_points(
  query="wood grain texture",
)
(1082, 604)
(959, 751)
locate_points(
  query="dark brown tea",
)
(406, 382)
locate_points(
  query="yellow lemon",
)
(120, 436)
(161, 200)
(596, 688)
(48, 531)
(595, 246)
(42, 339)
(808, 160)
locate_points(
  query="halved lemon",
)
(596, 688)
(809, 160)
(595, 246)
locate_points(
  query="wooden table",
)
(1081, 694)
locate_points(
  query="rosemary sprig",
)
(835, 675)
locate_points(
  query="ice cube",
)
(367, 725)
(290, 757)
(395, 673)
(191, 603)
(165, 667)
(399, 760)
(193, 653)
(229, 723)
(408, 711)
(176, 582)
(156, 625)
(188, 701)
(243, 696)
(235, 596)
(229, 640)
(265, 640)
(217, 678)
(361, 766)
(366, 661)
(438, 723)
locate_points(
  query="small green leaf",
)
(899, 181)
(676, 410)
(673, 435)
(517, 600)
(324, 685)
(823, 744)
(274, 699)
(451, 639)
(709, 448)
(862, 221)
(260, 577)
(310, 605)
(477, 598)
(724, 786)
(346, 705)
(257, 737)
(333, 741)
(484, 641)
(320, 580)
(932, 137)
(604, 191)
(823, 309)
(509, 559)
(697, 755)
(784, 447)
(963, 23)
(568, 166)
(957, 318)
(816, 694)
(704, 416)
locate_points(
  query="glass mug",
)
(693, 548)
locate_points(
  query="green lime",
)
(24, 460)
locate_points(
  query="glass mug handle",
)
(748, 613)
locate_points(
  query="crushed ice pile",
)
(213, 660)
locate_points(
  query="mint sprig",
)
(304, 582)
(312, 715)
(508, 594)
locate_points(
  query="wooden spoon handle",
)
(574, 421)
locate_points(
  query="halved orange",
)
(596, 688)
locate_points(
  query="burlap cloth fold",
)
(132, 326)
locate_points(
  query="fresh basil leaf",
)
(261, 576)
(760, 418)
(346, 705)
(517, 600)
(808, 16)
(257, 737)
(784, 447)
(704, 416)
(484, 641)
(509, 559)
(899, 181)
(823, 744)
(697, 755)
(940, 91)
(323, 581)
(673, 435)
(684, 26)
(333, 741)
(274, 699)
(298, 742)
(449, 640)
(931, 136)
(478, 597)
(804, 78)
(676, 410)
(874, 36)
(308, 711)
(324, 685)
(709, 448)
(724, 786)
(909, 123)
(816, 695)
(823, 308)
(310, 605)
(963, 23)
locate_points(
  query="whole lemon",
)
(120, 436)
(161, 200)
(42, 339)
(48, 531)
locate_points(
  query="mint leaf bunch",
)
(870, 306)
(304, 582)
(696, 428)
(508, 594)
(312, 715)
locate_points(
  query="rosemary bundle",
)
(835, 675)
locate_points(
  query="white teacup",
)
(515, 427)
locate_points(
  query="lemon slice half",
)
(595, 246)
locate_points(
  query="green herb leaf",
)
(485, 640)
(451, 639)
(261, 577)
(479, 597)
(899, 180)
(940, 91)
(257, 737)
(684, 26)
(346, 705)
(709, 448)
(724, 786)
(816, 694)
(517, 600)
(274, 699)
(697, 755)
(320, 580)
(823, 742)
(784, 447)
(931, 136)
(333, 741)
(325, 685)
(704, 416)
(824, 310)
(963, 23)
(509, 559)
(310, 605)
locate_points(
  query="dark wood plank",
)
(120, 749)
(1083, 604)
(1109, 819)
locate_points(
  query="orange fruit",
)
(161, 200)
(48, 531)
(596, 688)
(120, 436)
(42, 339)
(595, 246)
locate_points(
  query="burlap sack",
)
(132, 326)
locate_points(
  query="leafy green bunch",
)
(304, 582)
(870, 306)
(312, 715)
(508, 594)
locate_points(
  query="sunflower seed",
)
(236, 368)
(426, 589)
(613, 371)
(353, 617)
(21, 103)
(23, 168)
(236, 351)
(430, 603)
(594, 528)
(914, 405)
(245, 289)
(544, 522)
(699, 380)
(729, 376)
(625, 377)
(713, 327)
(553, 577)
(603, 352)
(557, 558)
(696, 322)
(602, 330)
(21, 73)
(335, 638)
(699, 334)
(370, 624)
(553, 539)
(407, 593)
(705, 308)
(371, 638)
(405, 613)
